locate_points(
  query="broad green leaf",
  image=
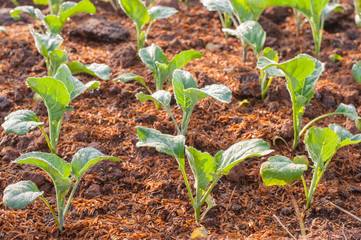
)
(218, 5)
(346, 138)
(136, 11)
(160, 96)
(248, 9)
(331, 7)
(21, 122)
(56, 59)
(301, 159)
(181, 59)
(69, 9)
(127, 77)
(15, 13)
(159, 12)
(46, 43)
(161, 74)
(57, 168)
(356, 68)
(53, 24)
(251, 32)
(182, 80)
(238, 152)
(74, 86)
(348, 110)
(164, 143)
(86, 158)
(20, 194)
(321, 144)
(270, 54)
(218, 92)
(203, 167)
(56, 99)
(101, 71)
(280, 170)
(152, 54)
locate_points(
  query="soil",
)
(144, 197)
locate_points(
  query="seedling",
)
(357, 4)
(356, 69)
(60, 12)
(62, 173)
(302, 74)
(335, 58)
(56, 92)
(155, 59)
(321, 145)
(142, 15)
(252, 34)
(206, 169)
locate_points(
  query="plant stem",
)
(315, 120)
(50, 5)
(53, 151)
(187, 184)
(51, 210)
(185, 120)
(71, 196)
(175, 122)
(304, 186)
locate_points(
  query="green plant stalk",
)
(185, 121)
(54, 133)
(51, 210)
(205, 196)
(298, 17)
(53, 151)
(174, 121)
(71, 196)
(139, 38)
(187, 184)
(304, 186)
(61, 200)
(317, 31)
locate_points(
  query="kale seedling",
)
(206, 169)
(321, 145)
(302, 74)
(60, 12)
(20, 194)
(155, 59)
(141, 15)
(252, 34)
(56, 92)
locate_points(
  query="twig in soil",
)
(345, 211)
(280, 138)
(300, 218)
(230, 199)
(284, 227)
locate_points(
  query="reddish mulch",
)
(144, 196)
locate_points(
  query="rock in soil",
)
(125, 57)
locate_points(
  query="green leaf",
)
(218, 5)
(251, 32)
(40, 2)
(21, 122)
(248, 9)
(160, 96)
(101, 71)
(53, 24)
(356, 69)
(203, 167)
(57, 168)
(238, 152)
(56, 59)
(159, 12)
(69, 9)
(46, 43)
(182, 80)
(161, 75)
(164, 143)
(181, 59)
(331, 7)
(270, 54)
(346, 138)
(335, 57)
(3, 29)
(348, 110)
(86, 158)
(280, 170)
(127, 77)
(56, 99)
(74, 86)
(136, 11)
(20, 194)
(151, 55)
(15, 13)
(218, 92)
(321, 144)
(301, 159)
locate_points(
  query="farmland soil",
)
(144, 196)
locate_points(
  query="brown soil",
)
(144, 196)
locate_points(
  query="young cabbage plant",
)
(56, 92)
(155, 59)
(60, 12)
(187, 94)
(224, 10)
(48, 45)
(321, 145)
(141, 15)
(62, 173)
(206, 169)
(357, 5)
(252, 34)
(302, 74)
